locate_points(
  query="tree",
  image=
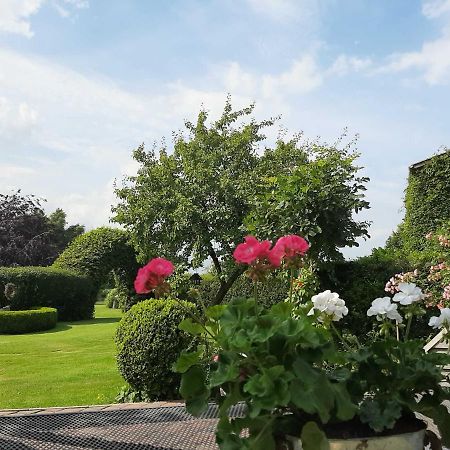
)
(201, 200)
(63, 235)
(27, 236)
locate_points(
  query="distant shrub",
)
(148, 343)
(18, 322)
(97, 253)
(70, 293)
(116, 298)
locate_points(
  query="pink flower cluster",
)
(261, 257)
(444, 241)
(446, 293)
(152, 277)
(404, 277)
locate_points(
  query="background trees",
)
(219, 184)
(27, 236)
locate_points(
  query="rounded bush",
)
(18, 322)
(148, 343)
(97, 253)
(70, 293)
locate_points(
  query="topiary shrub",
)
(18, 322)
(116, 298)
(97, 253)
(70, 293)
(148, 343)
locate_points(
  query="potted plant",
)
(303, 384)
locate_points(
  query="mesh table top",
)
(164, 428)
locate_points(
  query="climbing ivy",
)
(426, 202)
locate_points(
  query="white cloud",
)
(15, 15)
(10, 171)
(432, 60)
(345, 64)
(435, 8)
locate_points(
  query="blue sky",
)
(83, 82)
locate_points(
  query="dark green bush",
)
(18, 322)
(148, 343)
(70, 293)
(274, 290)
(98, 253)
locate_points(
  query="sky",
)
(84, 82)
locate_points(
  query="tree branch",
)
(225, 286)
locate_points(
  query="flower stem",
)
(339, 335)
(255, 291)
(291, 285)
(408, 327)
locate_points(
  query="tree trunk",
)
(225, 286)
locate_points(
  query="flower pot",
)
(405, 441)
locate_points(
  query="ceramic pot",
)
(406, 441)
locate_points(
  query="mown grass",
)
(73, 364)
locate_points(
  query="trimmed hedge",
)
(99, 252)
(70, 293)
(18, 322)
(148, 343)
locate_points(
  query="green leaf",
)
(345, 409)
(313, 438)
(379, 417)
(215, 312)
(188, 359)
(191, 327)
(194, 390)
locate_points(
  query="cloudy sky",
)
(83, 82)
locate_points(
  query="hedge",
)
(38, 319)
(70, 293)
(99, 252)
(148, 343)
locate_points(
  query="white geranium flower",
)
(408, 293)
(442, 321)
(382, 307)
(330, 304)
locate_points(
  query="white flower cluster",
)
(329, 304)
(407, 294)
(443, 321)
(383, 308)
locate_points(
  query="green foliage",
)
(148, 344)
(18, 322)
(316, 199)
(285, 367)
(425, 200)
(116, 298)
(70, 293)
(274, 290)
(272, 362)
(395, 373)
(359, 282)
(97, 253)
(200, 200)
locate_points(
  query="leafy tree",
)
(63, 235)
(199, 201)
(27, 236)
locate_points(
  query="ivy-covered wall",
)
(427, 200)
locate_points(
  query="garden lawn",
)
(72, 364)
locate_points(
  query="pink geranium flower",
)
(251, 250)
(288, 247)
(152, 276)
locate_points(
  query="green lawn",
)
(73, 364)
